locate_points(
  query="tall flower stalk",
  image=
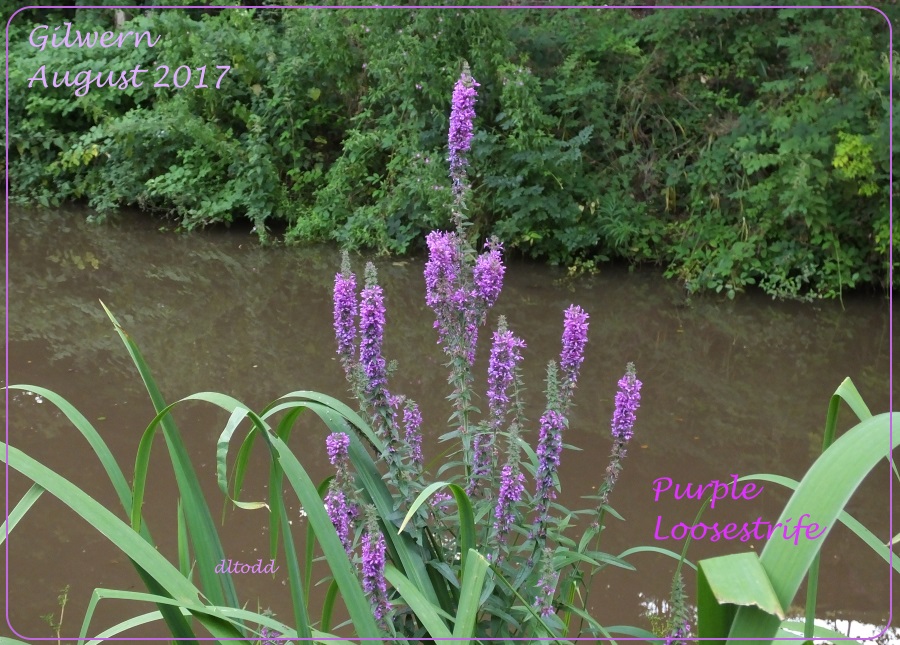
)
(628, 400)
(461, 287)
(505, 357)
(555, 419)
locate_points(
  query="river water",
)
(729, 388)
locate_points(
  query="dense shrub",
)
(733, 147)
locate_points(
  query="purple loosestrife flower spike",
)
(442, 268)
(373, 561)
(371, 323)
(574, 339)
(488, 274)
(628, 400)
(341, 514)
(462, 114)
(337, 444)
(412, 422)
(548, 454)
(505, 357)
(512, 487)
(345, 310)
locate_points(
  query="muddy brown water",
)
(729, 388)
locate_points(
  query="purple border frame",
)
(517, 7)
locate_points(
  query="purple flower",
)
(371, 325)
(373, 560)
(512, 487)
(337, 444)
(574, 339)
(488, 274)
(341, 514)
(412, 421)
(677, 637)
(462, 113)
(628, 400)
(442, 269)
(345, 309)
(505, 356)
(268, 637)
(440, 501)
(548, 454)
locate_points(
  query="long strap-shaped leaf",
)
(178, 626)
(141, 552)
(822, 494)
(470, 595)
(201, 527)
(844, 518)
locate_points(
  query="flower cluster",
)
(412, 422)
(371, 323)
(373, 561)
(268, 637)
(488, 274)
(462, 115)
(622, 427)
(345, 310)
(341, 510)
(548, 454)
(575, 327)
(337, 445)
(512, 487)
(628, 399)
(505, 356)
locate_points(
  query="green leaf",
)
(470, 595)
(201, 528)
(656, 549)
(739, 579)
(110, 526)
(822, 494)
(427, 613)
(465, 514)
(844, 518)
(28, 499)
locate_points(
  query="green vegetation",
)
(731, 147)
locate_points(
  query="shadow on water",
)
(729, 388)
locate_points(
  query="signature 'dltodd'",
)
(236, 566)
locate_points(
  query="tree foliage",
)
(732, 147)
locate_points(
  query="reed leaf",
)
(470, 595)
(32, 495)
(132, 544)
(201, 528)
(428, 614)
(823, 493)
(465, 515)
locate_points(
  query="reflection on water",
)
(729, 388)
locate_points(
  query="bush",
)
(755, 157)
